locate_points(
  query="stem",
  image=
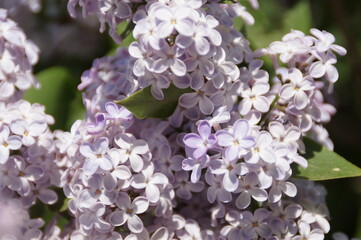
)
(128, 29)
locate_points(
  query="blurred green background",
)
(74, 44)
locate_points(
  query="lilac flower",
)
(316, 214)
(96, 156)
(247, 189)
(298, 89)
(169, 57)
(40, 191)
(92, 218)
(128, 212)
(255, 224)
(254, 97)
(98, 126)
(253, 73)
(202, 142)
(179, 18)
(200, 66)
(71, 138)
(237, 141)
(229, 170)
(8, 143)
(143, 61)
(279, 187)
(9, 175)
(146, 31)
(26, 174)
(306, 232)
(288, 49)
(184, 188)
(166, 201)
(195, 165)
(262, 150)
(118, 172)
(324, 66)
(28, 130)
(288, 137)
(96, 190)
(131, 148)
(216, 189)
(287, 214)
(149, 181)
(206, 106)
(325, 42)
(166, 163)
(157, 83)
(118, 114)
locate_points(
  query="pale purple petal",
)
(261, 104)
(300, 100)
(90, 166)
(240, 128)
(232, 152)
(122, 172)
(243, 200)
(47, 196)
(117, 218)
(247, 142)
(135, 224)
(193, 140)
(230, 181)
(287, 91)
(178, 68)
(152, 193)
(136, 162)
(224, 138)
(140, 205)
(206, 105)
(140, 147)
(14, 142)
(188, 100)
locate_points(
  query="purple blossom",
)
(298, 90)
(248, 187)
(131, 148)
(96, 156)
(149, 181)
(195, 165)
(7, 143)
(171, 19)
(92, 218)
(201, 143)
(235, 141)
(128, 211)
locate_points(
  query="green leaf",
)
(324, 164)
(298, 17)
(65, 205)
(143, 105)
(55, 93)
(76, 110)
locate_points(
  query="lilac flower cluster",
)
(221, 166)
(108, 80)
(109, 12)
(28, 166)
(15, 6)
(18, 55)
(300, 86)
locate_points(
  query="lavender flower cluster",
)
(28, 158)
(18, 55)
(220, 167)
